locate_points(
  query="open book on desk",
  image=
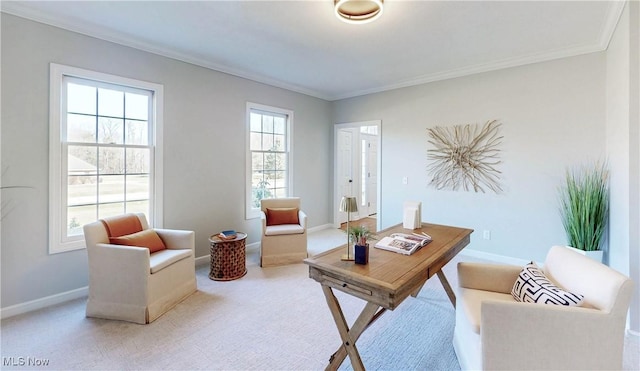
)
(403, 243)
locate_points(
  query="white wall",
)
(619, 142)
(623, 142)
(204, 128)
(553, 116)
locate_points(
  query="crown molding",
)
(18, 10)
(614, 12)
(479, 68)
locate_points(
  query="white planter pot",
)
(595, 255)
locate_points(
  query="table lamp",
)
(348, 205)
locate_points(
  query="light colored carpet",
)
(271, 319)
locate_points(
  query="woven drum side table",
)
(228, 258)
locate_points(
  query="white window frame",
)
(250, 211)
(58, 241)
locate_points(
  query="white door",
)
(345, 168)
(369, 174)
(351, 157)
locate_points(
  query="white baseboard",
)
(320, 227)
(495, 257)
(204, 260)
(48, 301)
(255, 246)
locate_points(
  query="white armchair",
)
(131, 283)
(284, 231)
(495, 332)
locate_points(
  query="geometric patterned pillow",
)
(532, 286)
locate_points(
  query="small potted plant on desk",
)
(359, 235)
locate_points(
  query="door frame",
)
(337, 197)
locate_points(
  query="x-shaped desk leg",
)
(445, 284)
(349, 336)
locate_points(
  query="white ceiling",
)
(302, 46)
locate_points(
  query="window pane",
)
(110, 130)
(137, 132)
(255, 140)
(279, 143)
(77, 216)
(267, 124)
(110, 103)
(281, 193)
(138, 160)
(258, 181)
(278, 125)
(111, 161)
(267, 142)
(137, 188)
(111, 188)
(81, 99)
(280, 161)
(268, 176)
(281, 181)
(82, 190)
(257, 161)
(255, 122)
(139, 207)
(105, 210)
(260, 189)
(269, 161)
(82, 160)
(136, 106)
(81, 128)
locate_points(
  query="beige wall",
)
(204, 149)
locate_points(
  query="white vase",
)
(595, 255)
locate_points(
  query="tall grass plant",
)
(584, 205)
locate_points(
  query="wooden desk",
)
(384, 282)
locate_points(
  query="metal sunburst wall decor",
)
(465, 156)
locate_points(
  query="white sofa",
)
(495, 332)
(129, 283)
(283, 243)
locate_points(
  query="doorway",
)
(357, 169)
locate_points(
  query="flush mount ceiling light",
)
(358, 11)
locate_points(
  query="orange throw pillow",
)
(147, 238)
(282, 216)
(122, 225)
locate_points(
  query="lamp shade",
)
(348, 204)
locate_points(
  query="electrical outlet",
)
(405, 180)
(486, 235)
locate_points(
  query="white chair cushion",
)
(164, 258)
(274, 230)
(471, 302)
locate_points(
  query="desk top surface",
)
(390, 271)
